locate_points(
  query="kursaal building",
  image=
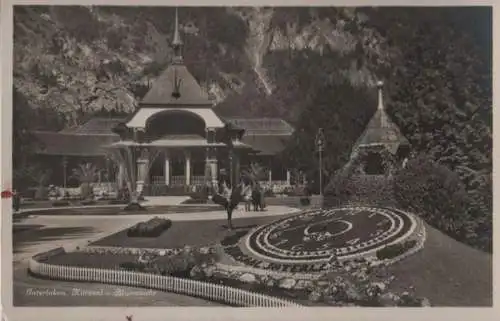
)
(193, 145)
(177, 120)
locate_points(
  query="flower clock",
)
(317, 237)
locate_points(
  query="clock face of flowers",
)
(317, 235)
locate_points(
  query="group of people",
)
(246, 191)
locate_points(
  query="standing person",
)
(235, 198)
(262, 203)
(247, 196)
(256, 197)
(16, 201)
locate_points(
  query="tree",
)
(85, 174)
(342, 111)
(254, 173)
(39, 176)
(128, 155)
(24, 142)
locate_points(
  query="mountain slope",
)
(77, 60)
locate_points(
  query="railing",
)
(213, 292)
(158, 180)
(178, 180)
(197, 180)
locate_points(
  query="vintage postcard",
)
(296, 160)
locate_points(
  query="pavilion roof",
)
(261, 126)
(266, 144)
(95, 126)
(191, 93)
(90, 138)
(70, 144)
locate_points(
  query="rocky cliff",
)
(254, 61)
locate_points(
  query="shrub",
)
(305, 201)
(395, 250)
(131, 266)
(434, 192)
(479, 227)
(151, 228)
(371, 190)
(200, 197)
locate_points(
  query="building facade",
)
(180, 139)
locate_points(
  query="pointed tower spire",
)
(380, 108)
(177, 42)
(380, 85)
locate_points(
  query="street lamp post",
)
(320, 144)
(65, 165)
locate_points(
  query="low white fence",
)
(213, 292)
(115, 250)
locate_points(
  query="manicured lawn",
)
(447, 272)
(118, 210)
(183, 233)
(48, 204)
(91, 260)
(34, 234)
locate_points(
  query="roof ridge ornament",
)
(176, 93)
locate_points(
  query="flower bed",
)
(395, 250)
(354, 283)
(362, 286)
(152, 228)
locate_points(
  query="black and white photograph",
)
(248, 156)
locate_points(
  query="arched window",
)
(174, 123)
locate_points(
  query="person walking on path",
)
(247, 196)
(16, 201)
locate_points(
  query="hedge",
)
(438, 195)
(152, 228)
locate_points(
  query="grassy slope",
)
(447, 272)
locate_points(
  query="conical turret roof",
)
(381, 130)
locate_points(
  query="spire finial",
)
(177, 42)
(380, 85)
